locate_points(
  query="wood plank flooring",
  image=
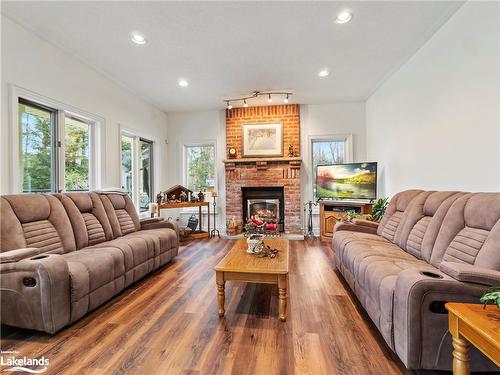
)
(167, 323)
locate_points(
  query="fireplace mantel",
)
(261, 163)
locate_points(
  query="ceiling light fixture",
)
(323, 73)
(183, 83)
(138, 38)
(343, 17)
(256, 94)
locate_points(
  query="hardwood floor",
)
(167, 323)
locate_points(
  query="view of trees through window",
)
(146, 174)
(76, 154)
(326, 151)
(200, 167)
(127, 177)
(36, 129)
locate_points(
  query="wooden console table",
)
(200, 233)
(471, 323)
(331, 211)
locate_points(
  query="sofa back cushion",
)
(88, 218)
(121, 213)
(35, 220)
(470, 232)
(423, 220)
(395, 213)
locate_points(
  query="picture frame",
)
(262, 140)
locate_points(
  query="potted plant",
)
(491, 296)
(378, 209)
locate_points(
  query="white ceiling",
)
(227, 49)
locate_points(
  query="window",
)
(330, 150)
(37, 151)
(52, 157)
(199, 161)
(146, 182)
(137, 173)
(76, 154)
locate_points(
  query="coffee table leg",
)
(282, 286)
(221, 295)
(460, 356)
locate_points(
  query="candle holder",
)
(214, 231)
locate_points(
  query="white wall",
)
(435, 124)
(196, 127)
(34, 64)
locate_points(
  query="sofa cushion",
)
(96, 274)
(88, 218)
(394, 213)
(121, 213)
(35, 220)
(344, 237)
(470, 232)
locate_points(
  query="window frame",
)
(96, 137)
(136, 138)
(348, 150)
(185, 145)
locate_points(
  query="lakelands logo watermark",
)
(10, 363)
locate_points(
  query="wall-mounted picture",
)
(262, 140)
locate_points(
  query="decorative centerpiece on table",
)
(257, 247)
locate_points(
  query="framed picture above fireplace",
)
(261, 140)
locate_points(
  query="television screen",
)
(347, 181)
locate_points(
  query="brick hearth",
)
(275, 171)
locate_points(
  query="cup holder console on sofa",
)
(38, 257)
(431, 274)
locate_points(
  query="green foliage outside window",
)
(200, 167)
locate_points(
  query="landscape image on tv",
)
(344, 181)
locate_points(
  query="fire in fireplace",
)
(264, 203)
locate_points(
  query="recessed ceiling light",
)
(323, 73)
(343, 17)
(138, 38)
(183, 83)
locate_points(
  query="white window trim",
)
(347, 138)
(97, 136)
(135, 135)
(183, 177)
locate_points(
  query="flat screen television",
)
(347, 181)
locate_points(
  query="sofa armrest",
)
(18, 254)
(420, 321)
(366, 223)
(470, 274)
(354, 228)
(35, 293)
(151, 220)
(162, 224)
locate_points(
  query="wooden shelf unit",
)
(200, 233)
(331, 211)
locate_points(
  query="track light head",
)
(286, 99)
(245, 103)
(269, 99)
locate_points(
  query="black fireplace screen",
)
(264, 203)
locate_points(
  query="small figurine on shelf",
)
(291, 151)
(159, 198)
(194, 198)
(201, 196)
(183, 196)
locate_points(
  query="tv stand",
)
(332, 211)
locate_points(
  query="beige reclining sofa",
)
(430, 248)
(63, 255)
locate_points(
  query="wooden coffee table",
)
(237, 265)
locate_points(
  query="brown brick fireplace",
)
(269, 174)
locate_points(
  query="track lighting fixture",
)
(256, 94)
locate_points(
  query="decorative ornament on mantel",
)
(285, 94)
